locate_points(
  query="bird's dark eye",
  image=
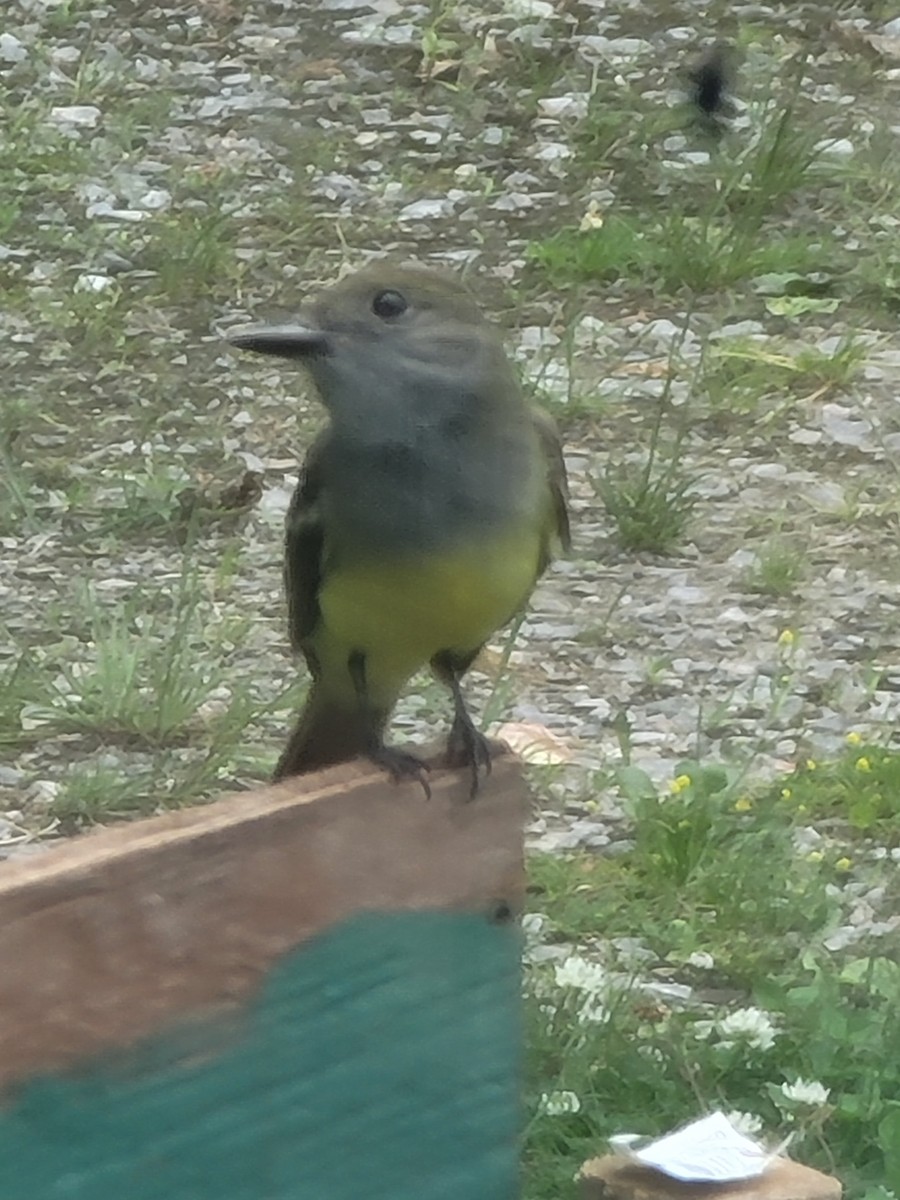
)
(389, 304)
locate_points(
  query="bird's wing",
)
(556, 475)
(303, 548)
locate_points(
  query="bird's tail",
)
(328, 732)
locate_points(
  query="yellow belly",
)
(400, 614)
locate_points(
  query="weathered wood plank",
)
(614, 1178)
(307, 992)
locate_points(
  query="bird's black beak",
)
(283, 341)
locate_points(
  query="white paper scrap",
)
(706, 1151)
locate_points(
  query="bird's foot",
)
(401, 766)
(468, 747)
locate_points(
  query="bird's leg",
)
(466, 745)
(398, 763)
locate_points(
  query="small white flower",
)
(592, 219)
(751, 1026)
(653, 1053)
(593, 1012)
(557, 1104)
(578, 972)
(806, 1091)
(744, 1122)
(701, 960)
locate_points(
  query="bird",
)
(711, 79)
(425, 510)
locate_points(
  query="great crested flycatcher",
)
(424, 514)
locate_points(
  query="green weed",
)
(651, 501)
(778, 568)
(860, 789)
(137, 680)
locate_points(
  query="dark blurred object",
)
(711, 79)
(223, 504)
(242, 495)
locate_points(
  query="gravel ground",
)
(169, 171)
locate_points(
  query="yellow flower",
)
(786, 793)
(743, 804)
(854, 738)
(863, 764)
(801, 809)
(811, 764)
(843, 864)
(815, 856)
(786, 638)
(680, 784)
(684, 824)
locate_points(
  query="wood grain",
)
(126, 931)
(614, 1178)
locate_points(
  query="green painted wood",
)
(381, 1062)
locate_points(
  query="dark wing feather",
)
(303, 549)
(556, 476)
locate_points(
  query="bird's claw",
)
(467, 747)
(401, 766)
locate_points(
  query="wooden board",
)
(614, 1178)
(310, 992)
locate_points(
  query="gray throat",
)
(429, 488)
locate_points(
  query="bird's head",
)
(395, 337)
